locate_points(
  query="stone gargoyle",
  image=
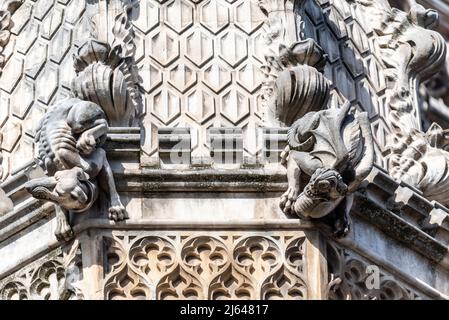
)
(70, 137)
(329, 151)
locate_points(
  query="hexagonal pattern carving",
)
(179, 15)
(214, 16)
(199, 48)
(32, 119)
(151, 76)
(166, 106)
(250, 77)
(41, 8)
(200, 105)
(67, 72)
(375, 73)
(344, 82)
(193, 57)
(36, 59)
(233, 48)
(42, 36)
(11, 133)
(60, 45)
(234, 106)
(51, 23)
(352, 58)
(358, 37)
(23, 98)
(217, 77)
(197, 51)
(47, 83)
(248, 16)
(11, 74)
(4, 110)
(23, 153)
(74, 11)
(148, 17)
(182, 77)
(164, 48)
(27, 37)
(21, 17)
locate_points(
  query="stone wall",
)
(197, 160)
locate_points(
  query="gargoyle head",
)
(71, 189)
(322, 194)
(326, 184)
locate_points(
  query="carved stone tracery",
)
(56, 276)
(352, 278)
(205, 267)
(330, 148)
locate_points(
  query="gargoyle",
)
(329, 153)
(70, 137)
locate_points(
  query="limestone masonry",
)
(224, 149)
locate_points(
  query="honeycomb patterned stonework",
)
(200, 65)
(38, 71)
(199, 62)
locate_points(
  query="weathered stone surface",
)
(190, 109)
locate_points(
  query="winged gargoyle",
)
(333, 150)
(70, 137)
(329, 151)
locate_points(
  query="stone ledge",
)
(408, 204)
(400, 229)
(208, 180)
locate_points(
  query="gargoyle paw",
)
(63, 231)
(341, 228)
(117, 212)
(288, 200)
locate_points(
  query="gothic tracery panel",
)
(205, 267)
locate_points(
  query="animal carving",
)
(329, 153)
(70, 137)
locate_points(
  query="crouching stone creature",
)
(70, 137)
(329, 153)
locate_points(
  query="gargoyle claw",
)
(341, 229)
(118, 213)
(63, 231)
(288, 200)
